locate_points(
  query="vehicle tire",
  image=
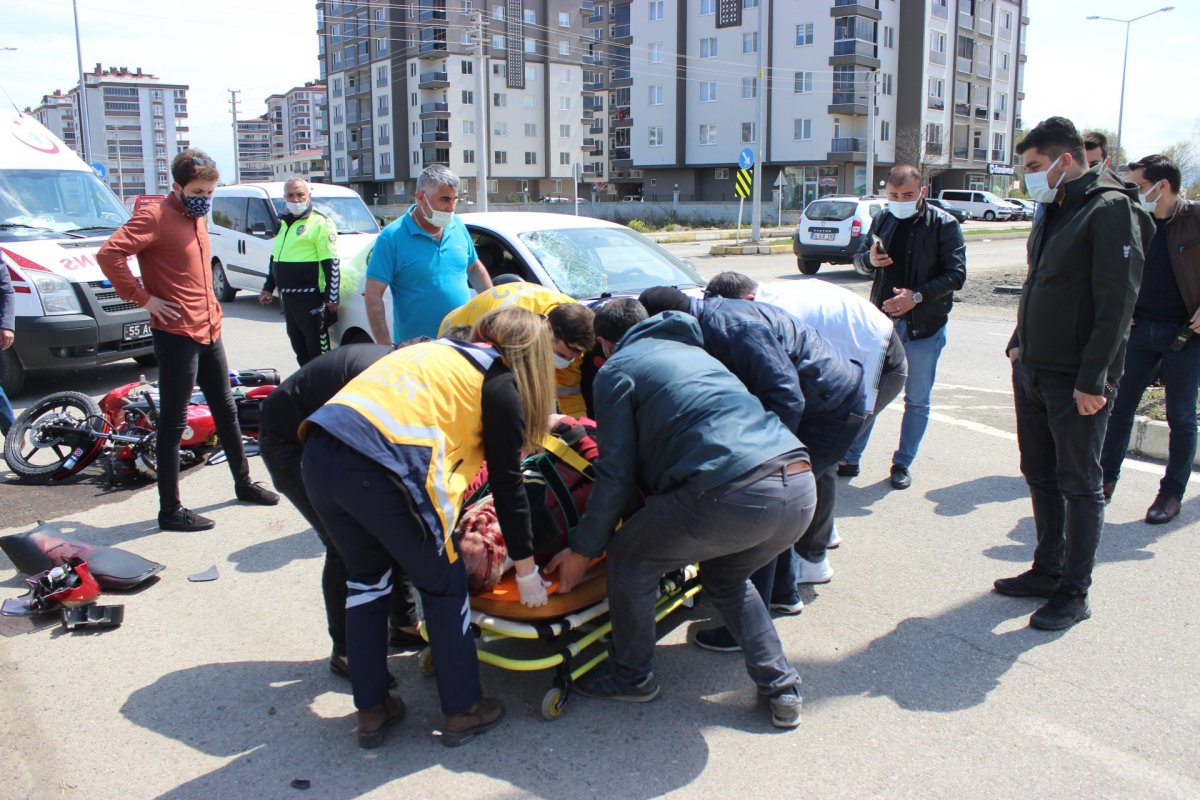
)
(38, 457)
(808, 266)
(989, 216)
(221, 288)
(552, 704)
(148, 360)
(12, 373)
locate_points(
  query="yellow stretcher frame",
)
(675, 590)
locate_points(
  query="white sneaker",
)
(815, 571)
(788, 609)
(835, 541)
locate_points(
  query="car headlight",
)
(58, 295)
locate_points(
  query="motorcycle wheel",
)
(39, 456)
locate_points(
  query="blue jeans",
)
(922, 355)
(1149, 350)
(1060, 459)
(6, 414)
(731, 533)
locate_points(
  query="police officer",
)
(304, 266)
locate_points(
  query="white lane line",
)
(961, 388)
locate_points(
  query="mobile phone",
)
(1182, 337)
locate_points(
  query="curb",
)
(748, 249)
(1151, 438)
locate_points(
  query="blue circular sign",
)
(746, 158)
(99, 169)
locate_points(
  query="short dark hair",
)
(1092, 140)
(617, 316)
(572, 323)
(194, 165)
(1052, 137)
(732, 285)
(902, 174)
(1156, 167)
(658, 299)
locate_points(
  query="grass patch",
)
(992, 231)
(1153, 404)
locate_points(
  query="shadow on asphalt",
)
(278, 552)
(963, 498)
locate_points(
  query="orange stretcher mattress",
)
(504, 599)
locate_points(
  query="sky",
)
(267, 46)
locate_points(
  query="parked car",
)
(586, 258)
(978, 204)
(1019, 212)
(954, 211)
(549, 199)
(1029, 206)
(831, 230)
(633, 198)
(245, 217)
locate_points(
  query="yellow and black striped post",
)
(742, 183)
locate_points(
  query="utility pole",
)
(870, 179)
(233, 106)
(120, 166)
(481, 123)
(82, 127)
(760, 133)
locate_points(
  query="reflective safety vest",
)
(540, 300)
(418, 413)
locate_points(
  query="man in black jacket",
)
(919, 258)
(1085, 266)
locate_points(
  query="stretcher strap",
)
(560, 450)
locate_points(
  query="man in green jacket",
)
(1085, 266)
(304, 267)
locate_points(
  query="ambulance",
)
(54, 215)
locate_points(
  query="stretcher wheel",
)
(427, 662)
(552, 704)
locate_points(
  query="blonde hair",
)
(527, 346)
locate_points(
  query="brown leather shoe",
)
(1164, 509)
(458, 729)
(373, 722)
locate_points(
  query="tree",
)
(1184, 155)
(1119, 159)
(930, 158)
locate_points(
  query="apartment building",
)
(254, 150)
(135, 125)
(308, 164)
(842, 80)
(297, 119)
(409, 87)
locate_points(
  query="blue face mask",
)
(195, 206)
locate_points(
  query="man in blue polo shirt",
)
(426, 258)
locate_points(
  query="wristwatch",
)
(918, 297)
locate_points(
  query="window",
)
(381, 75)
(889, 36)
(564, 20)
(530, 73)
(708, 7)
(1006, 19)
(468, 98)
(501, 157)
(385, 134)
(804, 34)
(385, 162)
(530, 157)
(499, 128)
(339, 166)
(801, 130)
(886, 83)
(656, 52)
(803, 83)
(530, 44)
(468, 68)
(962, 99)
(885, 130)
(381, 104)
(530, 129)
(500, 100)
(564, 76)
(655, 138)
(656, 10)
(708, 133)
(749, 88)
(564, 104)
(564, 131)
(529, 101)
(468, 156)
(966, 51)
(468, 127)
(748, 132)
(656, 95)
(708, 47)
(337, 87)
(564, 159)
(937, 47)
(499, 43)
(708, 91)
(750, 42)
(498, 13)
(564, 48)
(933, 135)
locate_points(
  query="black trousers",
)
(305, 324)
(282, 458)
(182, 364)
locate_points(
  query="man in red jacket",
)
(170, 240)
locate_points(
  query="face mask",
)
(905, 209)
(1147, 203)
(438, 219)
(195, 206)
(562, 363)
(1037, 184)
(296, 209)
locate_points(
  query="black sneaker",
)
(1029, 583)
(257, 493)
(603, 685)
(847, 470)
(182, 519)
(719, 640)
(1063, 611)
(900, 477)
(785, 709)
(399, 639)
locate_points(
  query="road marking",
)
(961, 388)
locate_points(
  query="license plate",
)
(135, 330)
(821, 235)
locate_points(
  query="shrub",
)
(640, 226)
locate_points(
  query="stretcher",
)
(570, 630)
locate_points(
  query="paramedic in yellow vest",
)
(386, 464)
(570, 322)
(304, 267)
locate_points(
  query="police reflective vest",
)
(540, 300)
(304, 259)
(417, 413)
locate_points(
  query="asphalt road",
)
(919, 681)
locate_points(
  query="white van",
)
(978, 204)
(54, 215)
(244, 219)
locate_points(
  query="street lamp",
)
(1124, 64)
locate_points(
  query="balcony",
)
(595, 59)
(961, 152)
(435, 110)
(962, 109)
(855, 8)
(432, 49)
(981, 112)
(590, 143)
(933, 148)
(846, 148)
(998, 156)
(622, 77)
(963, 64)
(621, 164)
(596, 151)
(979, 153)
(937, 57)
(435, 137)
(849, 102)
(935, 103)
(855, 47)
(619, 123)
(432, 15)
(983, 69)
(1001, 74)
(433, 80)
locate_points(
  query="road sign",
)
(746, 158)
(780, 182)
(742, 183)
(100, 170)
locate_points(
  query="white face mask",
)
(903, 209)
(1147, 203)
(562, 363)
(1037, 184)
(438, 219)
(296, 209)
